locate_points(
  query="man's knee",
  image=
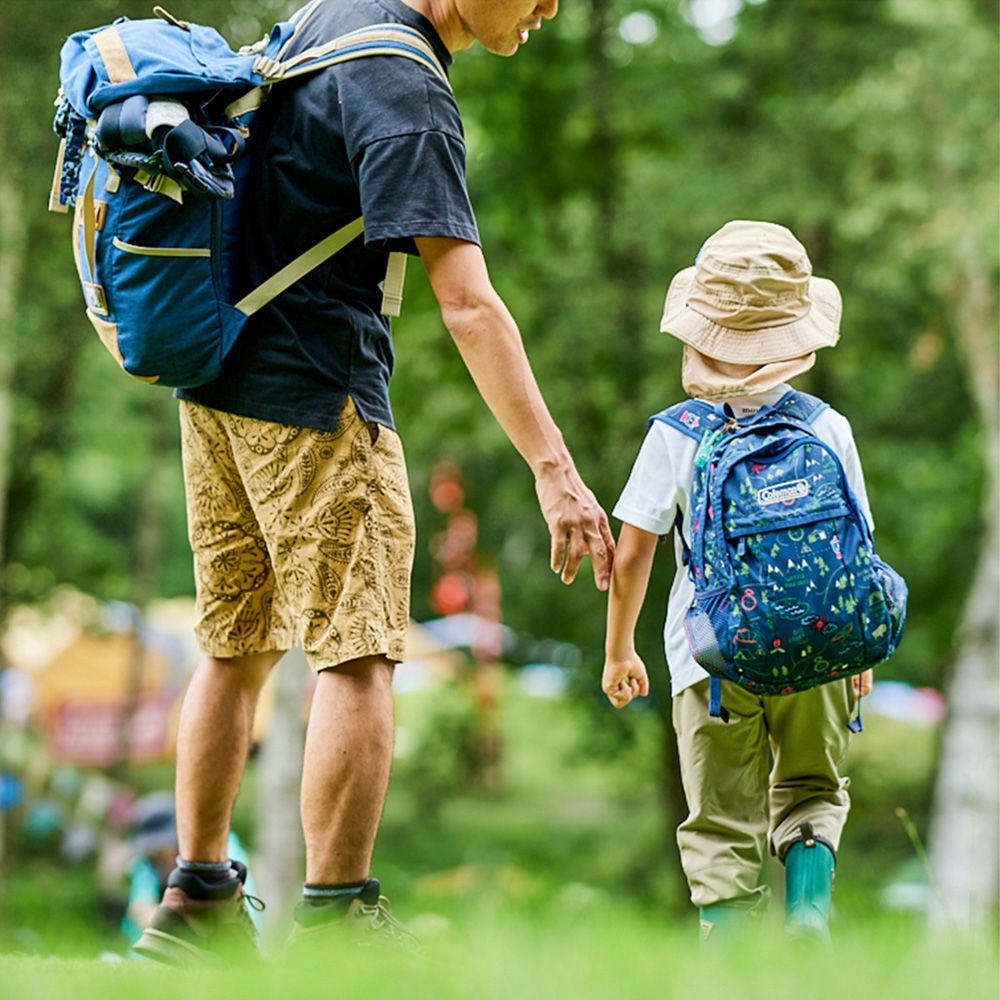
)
(249, 671)
(374, 671)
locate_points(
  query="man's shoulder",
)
(377, 96)
(333, 20)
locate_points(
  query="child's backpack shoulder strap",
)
(801, 406)
(693, 418)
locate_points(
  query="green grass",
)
(562, 883)
(610, 953)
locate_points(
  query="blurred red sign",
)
(90, 732)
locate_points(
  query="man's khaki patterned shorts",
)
(298, 535)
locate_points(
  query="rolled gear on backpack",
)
(123, 124)
(197, 157)
(157, 223)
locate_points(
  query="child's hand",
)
(624, 679)
(863, 683)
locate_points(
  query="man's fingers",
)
(575, 551)
(558, 555)
(570, 547)
(602, 551)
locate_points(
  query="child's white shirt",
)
(660, 485)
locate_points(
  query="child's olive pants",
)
(738, 801)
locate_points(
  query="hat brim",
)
(819, 328)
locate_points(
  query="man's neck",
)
(447, 21)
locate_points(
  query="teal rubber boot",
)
(809, 868)
(727, 920)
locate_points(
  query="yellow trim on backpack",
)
(160, 184)
(114, 55)
(392, 287)
(161, 251)
(89, 222)
(250, 101)
(301, 266)
(108, 332)
(56, 204)
(330, 53)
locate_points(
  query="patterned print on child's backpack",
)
(789, 592)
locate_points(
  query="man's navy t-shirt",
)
(379, 137)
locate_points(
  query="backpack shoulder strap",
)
(388, 39)
(801, 405)
(693, 418)
(374, 40)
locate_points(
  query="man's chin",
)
(502, 46)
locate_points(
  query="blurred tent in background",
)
(86, 693)
(85, 673)
(105, 682)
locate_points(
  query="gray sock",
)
(210, 871)
(330, 893)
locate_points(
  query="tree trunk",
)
(278, 868)
(965, 826)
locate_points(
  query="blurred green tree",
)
(599, 160)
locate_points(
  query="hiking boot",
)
(200, 921)
(809, 867)
(365, 918)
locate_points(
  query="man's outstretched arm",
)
(490, 344)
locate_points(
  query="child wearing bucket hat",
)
(751, 316)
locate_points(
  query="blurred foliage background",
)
(599, 159)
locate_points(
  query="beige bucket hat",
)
(751, 298)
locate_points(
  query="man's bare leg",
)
(345, 774)
(203, 909)
(213, 740)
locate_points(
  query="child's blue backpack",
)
(155, 116)
(789, 592)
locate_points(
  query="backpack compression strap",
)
(376, 40)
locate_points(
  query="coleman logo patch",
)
(783, 492)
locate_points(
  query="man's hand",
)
(863, 683)
(577, 524)
(624, 679)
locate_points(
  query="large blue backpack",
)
(789, 592)
(155, 116)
